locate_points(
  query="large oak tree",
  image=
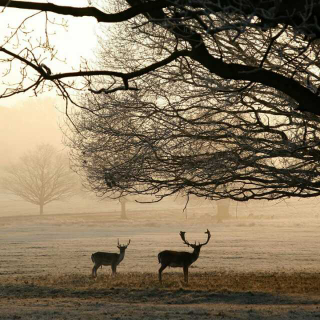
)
(215, 98)
(186, 130)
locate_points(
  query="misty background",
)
(35, 121)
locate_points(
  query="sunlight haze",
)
(77, 42)
(162, 163)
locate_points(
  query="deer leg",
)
(94, 271)
(163, 266)
(185, 272)
(114, 269)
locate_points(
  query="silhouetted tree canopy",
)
(290, 33)
(213, 98)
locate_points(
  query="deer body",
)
(180, 259)
(176, 259)
(108, 259)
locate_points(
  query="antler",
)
(209, 236)
(125, 245)
(182, 235)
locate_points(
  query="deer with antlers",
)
(108, 259)
(181, 259)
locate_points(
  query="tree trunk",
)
(123, 209)
(41, 209)
(223, 209)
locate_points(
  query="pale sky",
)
(79, 41)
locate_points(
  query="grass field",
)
(254, 267)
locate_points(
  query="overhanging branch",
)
(305, 98)
(88, 11)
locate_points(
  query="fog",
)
(37, 121)
(24, 126)
(282, 237)
(53, 250)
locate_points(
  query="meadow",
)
(261, 264)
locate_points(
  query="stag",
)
(108, 259)
(181, 259)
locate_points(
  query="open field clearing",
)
(258, 267)
(226, 295)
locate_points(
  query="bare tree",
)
(187, 130)
(213, 98)
(123, 202)
(40, 176)
(223, 209)
(193, 28)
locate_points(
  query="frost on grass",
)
(254, 267)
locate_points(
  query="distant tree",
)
(41, 176)
(123, 202)
(223, 207)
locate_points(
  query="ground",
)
(256, 266)
(139, 296)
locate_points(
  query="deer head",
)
(123, 247)
(195, 246)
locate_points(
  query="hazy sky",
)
(79, 41)
(34, 120)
